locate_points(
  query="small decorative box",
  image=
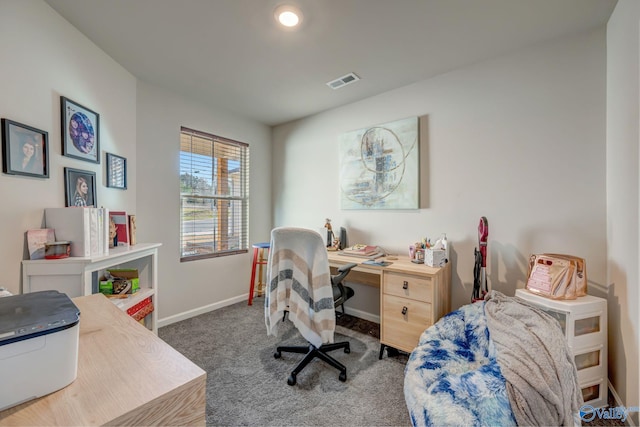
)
(141, 309)
(435, 258)
(57, 250)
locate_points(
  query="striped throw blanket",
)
(299, 282)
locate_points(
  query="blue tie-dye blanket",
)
(452, 377)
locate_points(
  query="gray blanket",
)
(535, 359)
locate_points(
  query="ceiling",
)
(231, 53)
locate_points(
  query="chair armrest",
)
(347, 267)
(343, 270)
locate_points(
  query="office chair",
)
(300, 283)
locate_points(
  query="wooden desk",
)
(412, 296)
(126, 376)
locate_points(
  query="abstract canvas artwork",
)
(379, 166)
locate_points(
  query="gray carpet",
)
(246, 385)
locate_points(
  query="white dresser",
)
(584, 323)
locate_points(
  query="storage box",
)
(130, 274)
(435, 257)
(122, 286)
(38, 345)
(106, 287)
(141, 309)
(57, 250)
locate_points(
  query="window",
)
(214, 195)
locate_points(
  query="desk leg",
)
(391, 352)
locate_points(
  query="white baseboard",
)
(201, 310)
(618, 403)
(207, 308)
(614, 394)
(361, 314)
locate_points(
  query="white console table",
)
(79, 276)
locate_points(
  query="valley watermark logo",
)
(589, 413)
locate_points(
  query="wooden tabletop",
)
(126, 376)
(399, 264)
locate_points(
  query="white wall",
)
(519, 139)
(623, 189)
(193, 287)
(43, 58)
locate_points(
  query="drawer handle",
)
(405, 285)
(404, 310)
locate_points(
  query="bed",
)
(495, 362)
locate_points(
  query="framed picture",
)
(379, 166)
(116, 171)
(121, 221)
(80, 187)
(25, 150)
(80, 131)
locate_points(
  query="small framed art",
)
(25, 150)
(116, 172)
(121, 221)
(80, 131)
(80, 187)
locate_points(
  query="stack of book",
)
(366, 251)
(86, 228)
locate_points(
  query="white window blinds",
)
(214, 195)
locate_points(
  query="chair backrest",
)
(299, 281)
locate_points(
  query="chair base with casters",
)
(341, 294)
(313, 352)
(299, 276)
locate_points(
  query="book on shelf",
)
(36, 240)
(103, 219)
(94, 233)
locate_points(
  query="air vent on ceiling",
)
(343, 81)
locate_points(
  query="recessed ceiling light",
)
(288, 16)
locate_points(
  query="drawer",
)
(589, 363)
(408, 286)
(402, 331)
(587, 329)
(595, 393)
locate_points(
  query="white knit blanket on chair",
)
(299, 282)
